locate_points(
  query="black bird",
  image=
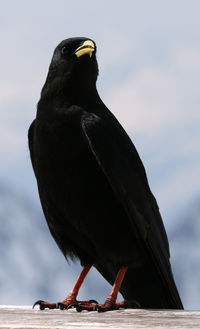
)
(94, 190)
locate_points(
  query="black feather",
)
(93, 186)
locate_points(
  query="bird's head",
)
(73, 65)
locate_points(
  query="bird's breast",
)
(72, 184)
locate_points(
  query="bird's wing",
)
(127, 179)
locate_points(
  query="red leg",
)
(71, 298)
(117, 285)
(110, 303)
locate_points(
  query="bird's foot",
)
(111, 306)
(89, 305)
(66, 304)
(107, 306)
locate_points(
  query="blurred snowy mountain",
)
(32, 267)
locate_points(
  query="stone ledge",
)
(23, 317)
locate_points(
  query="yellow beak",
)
(86, 48)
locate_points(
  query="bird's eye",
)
(63, 50)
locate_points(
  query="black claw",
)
(73, 305)
(101, 309)
(84, 307)
(93, 301)
(79, 308)
(61, 306)
(40, 303)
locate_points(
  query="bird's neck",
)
(79, 91)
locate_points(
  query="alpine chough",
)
(94, 190)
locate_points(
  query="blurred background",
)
(149, 62)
